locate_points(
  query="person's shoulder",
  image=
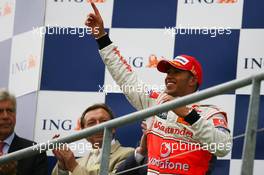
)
(23, 141)
(122, 153)
(207, 110)
(127, 149)
(207, 107)
(37, 160)
(123, 149)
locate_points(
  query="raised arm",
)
(119, 69)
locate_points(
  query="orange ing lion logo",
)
(32, 61)
(153, 61)
(227, 1)
(6, 9)
(78, 125)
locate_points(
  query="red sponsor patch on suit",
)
(153, 94)
(220, 122)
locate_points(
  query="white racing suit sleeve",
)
(123, 75)
(219, 140)
(210, 129)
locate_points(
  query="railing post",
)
(106, 149)
(249, 146)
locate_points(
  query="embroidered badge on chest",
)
(163, 115)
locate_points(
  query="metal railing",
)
(249, 143)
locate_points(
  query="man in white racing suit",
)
(184, 140)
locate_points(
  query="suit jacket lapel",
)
(15, 145)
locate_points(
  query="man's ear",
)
(193, 81)
(114, 130)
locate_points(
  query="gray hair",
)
(5, 95)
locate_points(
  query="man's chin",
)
(170, 92)
(6, 132)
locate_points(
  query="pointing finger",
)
(96, 11)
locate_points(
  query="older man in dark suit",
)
(10, 142)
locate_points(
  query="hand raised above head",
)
(95, 22)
